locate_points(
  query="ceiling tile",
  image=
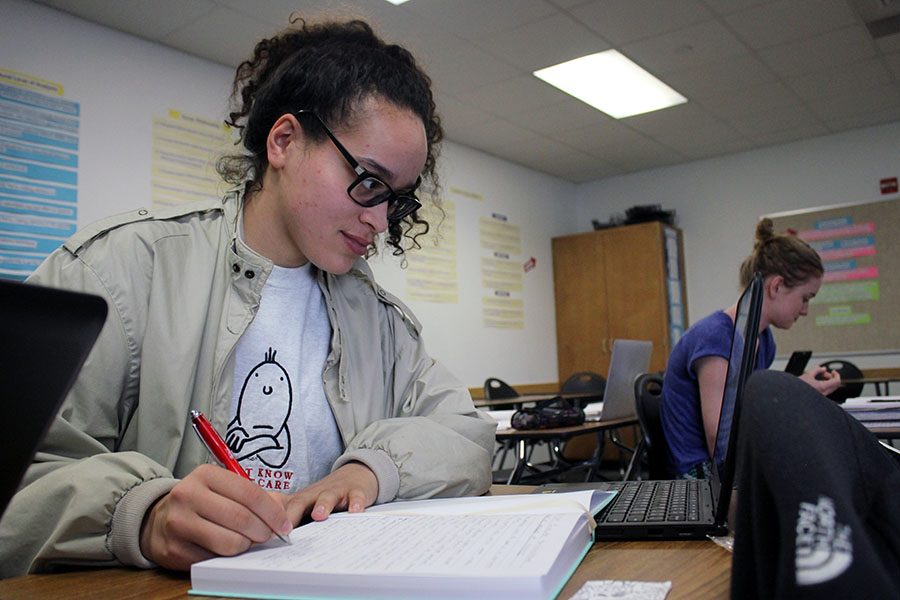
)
(789, 21)
(764, 122)
(720, 77)
(528, 91)
(691, 47)
(790, 134)
(682, 126)
(623, 21)
(573, 166)
(749, 100)
(203, 37)
(562, 116)
(864, 119)
(543, 43)
(149, 20)
(467, 69)
(725, 7)
(602, 139)
(841, 47)
(838, 80)
(859, 102)
(473, 19)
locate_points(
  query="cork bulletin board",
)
(857, 309)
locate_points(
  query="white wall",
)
(718, 201)
(122, 82)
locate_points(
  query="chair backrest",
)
(848, 372)
(497, 389)
(648, 398)
(584, 382)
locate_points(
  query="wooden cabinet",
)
(615, 284)
(619, 283)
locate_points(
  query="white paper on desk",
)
(592, 411)
(873, 410)
(503, 418)
(623, 590)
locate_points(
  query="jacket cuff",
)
(381, 464)
(124, 539)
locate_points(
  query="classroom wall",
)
(122, 83)
(718, 202)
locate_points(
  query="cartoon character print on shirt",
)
(260, 429)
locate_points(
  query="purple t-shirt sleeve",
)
(680, 411)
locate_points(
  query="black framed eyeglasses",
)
(368, 189)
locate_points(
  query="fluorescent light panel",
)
(610, 82)
(397, 2)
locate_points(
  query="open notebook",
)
(668, 509)
(47, 334)
(515, 547)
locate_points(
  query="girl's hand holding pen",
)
(211, 512)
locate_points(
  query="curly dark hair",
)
(782, 254)
(329, 68)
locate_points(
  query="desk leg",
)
(516, 474)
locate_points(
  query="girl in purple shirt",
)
(696, 371)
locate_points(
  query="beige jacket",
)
(181, 289)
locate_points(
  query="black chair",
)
(497, 389)
(849, 372)
(580, 451)
(652, 447)
(586, 382)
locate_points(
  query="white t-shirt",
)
(281, 428)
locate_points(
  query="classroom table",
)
(696, 568)
(521, 438)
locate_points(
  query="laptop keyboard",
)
(655, 501)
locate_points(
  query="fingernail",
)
(286, 527)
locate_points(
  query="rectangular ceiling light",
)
(612, 83)
(397, 2)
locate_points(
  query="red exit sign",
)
(889, 185)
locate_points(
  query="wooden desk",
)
(522, 437)
(696, 568)
(878, 377)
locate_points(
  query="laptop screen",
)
(47, 334)
(740, 366)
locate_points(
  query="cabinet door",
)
(636, 295)
(579, 278)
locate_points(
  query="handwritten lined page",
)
(419, 544)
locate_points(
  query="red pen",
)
(219, 449)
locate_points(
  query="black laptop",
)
(46, 336)
(675, 509)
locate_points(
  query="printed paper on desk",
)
(623, 590)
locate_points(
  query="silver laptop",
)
(630, 358)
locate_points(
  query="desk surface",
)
(563, 433)
(696, 568)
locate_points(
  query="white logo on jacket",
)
(824, 546)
